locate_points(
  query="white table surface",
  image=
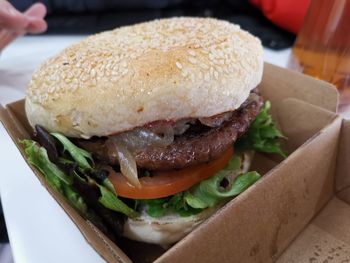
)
(38, 228)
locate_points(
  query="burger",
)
(149, 129)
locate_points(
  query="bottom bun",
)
(163, 231)
(169, 229)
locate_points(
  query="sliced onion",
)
(181, 126)
(126, 161)
(216, 120)
(132, 140)
(142, 137)
(164, 131)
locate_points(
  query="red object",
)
(166, 183)
(288, 14)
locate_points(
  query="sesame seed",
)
(200, 75)
(178, 64)
(193, 78)
(184, 73)
(191, 52)
(216, 75)
(211, 70)
(204, 66)
(207, 77)
(124, 72)
(192, 60)
(93, 72)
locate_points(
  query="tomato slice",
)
(166, 183)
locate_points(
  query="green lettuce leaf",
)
(79, 155)
(205, 194)
(161, 206)
(209, 193)
(38, 157)
(62, 183)
(75, 200)
(155, 207)
(111, 201)
(108, 184)
(109, 197)
(262, 135)
(178, 203)
(58, 180)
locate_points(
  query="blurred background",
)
(262, 18)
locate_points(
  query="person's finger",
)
(37, 10)
(36, 13)
(10, 18)
(6, 37)
(36, 26)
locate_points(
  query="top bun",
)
(160, 70)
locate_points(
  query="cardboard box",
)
(304, 198)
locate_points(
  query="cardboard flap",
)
(17, 111)
(265, 218)
(342, 177)
(293, 117)
(326, 238)
(3, 113)
(11, 123)
(278, 84)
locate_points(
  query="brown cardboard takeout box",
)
(298, 212)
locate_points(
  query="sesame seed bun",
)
(165, 69)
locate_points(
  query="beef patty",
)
(199, 144)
